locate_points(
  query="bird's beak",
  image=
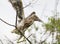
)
(40, 20)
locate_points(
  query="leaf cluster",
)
(53, 24)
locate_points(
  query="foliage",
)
(53, 24)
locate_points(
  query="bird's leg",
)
(19, 38)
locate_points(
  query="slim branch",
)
(16, 21)
(29, 36)
(26, 5)
(25, 37)
(7, 23)
(1, 41)
(45, 39)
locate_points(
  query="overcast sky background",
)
(43, 9)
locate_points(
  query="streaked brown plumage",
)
(27, 22)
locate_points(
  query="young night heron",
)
(26, 23)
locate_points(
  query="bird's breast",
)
(28, 23)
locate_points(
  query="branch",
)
(1, 41)
(24, 39)
(44, 34)
(7, 23)
(29, 36)
(24, 36)
(45, 39)
(26, 5)
(16, 20)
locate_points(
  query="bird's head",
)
(36, 18)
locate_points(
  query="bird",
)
(18, 6)
(26, 23)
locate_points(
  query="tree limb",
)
(7, 23)
(1, 41)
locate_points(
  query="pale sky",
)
(42, 8)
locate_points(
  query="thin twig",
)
(45, 39)
(29, 36)
(25, 37)
(1, 41)
(7, 23)
(26, 6)
(43, 34)
(16, 21)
